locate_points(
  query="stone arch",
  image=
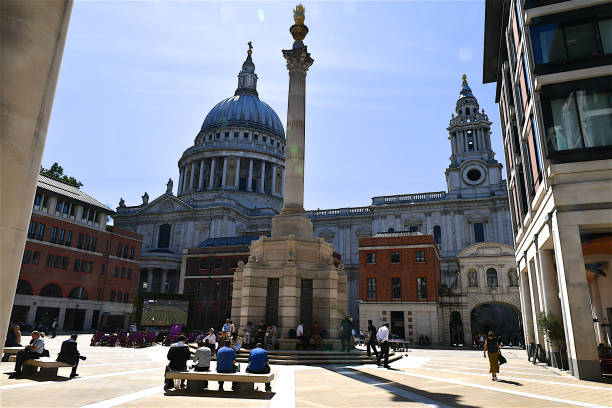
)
(502, 318)
(51, 290)
(24, 288)
(78, 292)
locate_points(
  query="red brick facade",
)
(403, 257)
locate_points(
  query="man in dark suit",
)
(70, 355)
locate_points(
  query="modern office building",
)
(552, 64)
(75, 267)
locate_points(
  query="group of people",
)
(68, 354)
(247, 337)
(378, 337)
(179, 354)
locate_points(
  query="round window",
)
(473, 175)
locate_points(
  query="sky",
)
(138, 78)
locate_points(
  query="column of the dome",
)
(250, 180)
(192, 176)
(262, 180)
(237, 177)
(224, 174)
(273, 179)
(179, 189)
(211, 179)
(201, 180)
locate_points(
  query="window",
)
(272, 300)
(478, 232)
(263, 138)
(396, 288)
(84, 214)
(201, 290)
(420, 256)
(217, 291)
(371, 257)
(126, 297)
(90, 267)
(226, 135)
(116, 273)
(37, 200)
(53, 237)
(112, 296)
(35, 258)
(83, 266)
(24, 288)
(87, 241)
(78, 293)
(57, 262)
(99, 295)
(371, 288)
(32, 229)
(68, 238)
(103, 269)
(91, 215)
(132, 253)
(255, 136)
(129, 273)
(66, 208)
(80, 241)
(246, 135)
(77, 265)
(58, 206)
(27, 256)
(164, 236)
(122, 273)
(49, 260)
(437, 232)
(94, 243)
(422, 288)
(395, 257)
(414, 228)
(119, 248)
(491, 278)
(65, 261)
(62, 234)
(106, 246)
(119, 296)
(51, 290)
(125, 251)
(41, 232)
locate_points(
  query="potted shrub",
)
(552, 327)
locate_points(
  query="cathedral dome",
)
(243, 110)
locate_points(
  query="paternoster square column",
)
(293, 219)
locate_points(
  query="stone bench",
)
(48, 366)
(291, 344)
(10, 351)
(195, 379)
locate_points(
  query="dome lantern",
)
(247, 78)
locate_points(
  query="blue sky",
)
(138, 78)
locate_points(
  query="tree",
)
(56, 172)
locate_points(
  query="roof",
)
(397, 234)
(66, 190)
(228, 241)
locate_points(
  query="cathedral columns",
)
(250, 180)
(201, 180)
(192, 176)
(262, 180)
(224, 176)
(237, 178)
(179, 189)
(211, 180)
(273, 179)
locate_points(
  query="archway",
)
(51, 290)
(501, 318)
(24, 288)
(456, 329)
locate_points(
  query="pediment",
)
(487, 249)
(165, 203)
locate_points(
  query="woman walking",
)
(492, 347)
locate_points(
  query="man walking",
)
(383, 340)
(346, 329)
(32, 351)
(371, 339)
(70, 355)
(54, 328)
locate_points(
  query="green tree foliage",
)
(57, 172)
(552, 326)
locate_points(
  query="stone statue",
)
(455, 284)
(145, 198)
(513, 278)
(473, 279)
(121, 202)
(169, 186)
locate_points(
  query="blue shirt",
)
(258, 359)
(225, 358)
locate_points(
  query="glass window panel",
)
(595, 112)
(548, 44)
(564, 132)
(396, 288)
(605, 33)
(581, 41)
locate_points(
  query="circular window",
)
(473, 175)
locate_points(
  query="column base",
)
(292, 221)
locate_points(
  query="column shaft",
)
(211, 179)
(262, 179)
(526, 307)
(192, 177)
(535, 300)
(164, 280)
(237, 178)
(224, 175)
(273, 179)
(201, 179)
(250, 180)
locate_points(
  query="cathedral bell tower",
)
(473, 170)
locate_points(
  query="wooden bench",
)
(10, 351)
(48, 366)
(195, 379)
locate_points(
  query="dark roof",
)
(228, 241)
(161, 251)
(493, 28)
(66, 190)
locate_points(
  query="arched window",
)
(473, 279)
(438, 234)
(163, 241)
(491, 278)
(467, 111)
(78, 293)
(391, 230)
(513, 278)
(24, 288)
(51, 290)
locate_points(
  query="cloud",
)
(466, 53)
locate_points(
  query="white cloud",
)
(466, 53)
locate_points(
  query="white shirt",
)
(212, 339)
(178, 344)
(383, 334)
(300, 330)
(39, 345)
(202, 357)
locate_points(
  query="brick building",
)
(75, 267)
(399, 283)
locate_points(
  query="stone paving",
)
(119, 377)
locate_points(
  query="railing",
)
(232, 144)
(434, 196)
(339, 212)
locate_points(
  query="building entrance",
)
(74, 320)
(500, 318)
(456, 329)
(397, 324)
(44, 316)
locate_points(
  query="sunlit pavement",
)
(113, 377)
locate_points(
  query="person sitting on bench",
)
(259, 363)
(70, 355)
(13, 337)
(202, 358)
(226, 362)
(33, 351)
(178, 354)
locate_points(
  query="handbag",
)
(501, 359)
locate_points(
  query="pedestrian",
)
(491, 346)
(371, 339)
(315, 335)
(69, 354)
(346, 329)
(301, 334)
(382, 336)
(54, 328)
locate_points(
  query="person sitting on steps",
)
(259, 363)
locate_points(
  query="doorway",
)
(397, 324)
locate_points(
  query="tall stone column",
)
(201, 178)
(192, 177)
(550, 288)
(164, 280)
(211, 179)
(179, 189)
(526, 307)
(262, 178)
(535, 300)
(250, 180)
(150, 280)
(273, 186)
(224, 174)
(237, 178)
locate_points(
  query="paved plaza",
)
(121, 377)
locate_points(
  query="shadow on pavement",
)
(509, 382)
(443, 400)
(258, 395)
